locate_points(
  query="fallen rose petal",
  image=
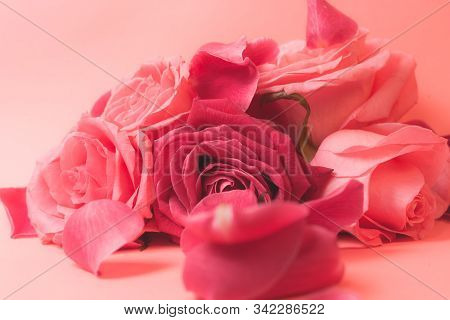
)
(98, 229)
(14, 201)
(327, 26)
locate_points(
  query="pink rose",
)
(347, 81)
(244, 250)
(90, 194)
(405, 171)
(95, 161)
(153, 96)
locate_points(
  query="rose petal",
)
(392, 187)
(261, 51)
(327, 26)
(14, 201)
(236, 198)
(220, 71)
(339, 209)
(100, 104)
(240, 271)
(234, 221)
(317, 265)
(98, 229)
(235, 254)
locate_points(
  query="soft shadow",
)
(125, 269)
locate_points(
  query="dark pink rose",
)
(347, 80)
(156, 94)
(220, 150)
(405, 170)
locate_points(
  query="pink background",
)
(45, 87)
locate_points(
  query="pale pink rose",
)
(95, 161)
(405, 171)
(156, 94)
(91, 194)
(347, 81)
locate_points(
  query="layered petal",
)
(157, 94)
(393, 186)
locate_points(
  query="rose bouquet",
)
(252, 157)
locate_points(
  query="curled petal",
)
(98, 229)
(221, 71)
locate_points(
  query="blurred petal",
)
(234, 223)
(241, 271)
(317, 265)
(14, 201)
(265, 251)
(98, 229)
